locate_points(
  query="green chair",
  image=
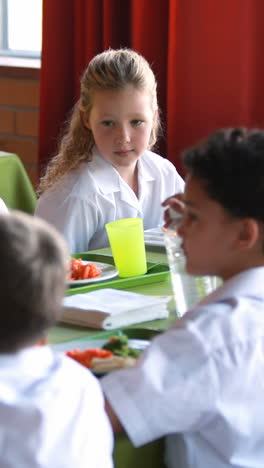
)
(15, 186)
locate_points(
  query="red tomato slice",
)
(85, 357)
(79, 270)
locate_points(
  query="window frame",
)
(4, 50)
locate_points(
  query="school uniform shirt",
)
(87, 198)
(3, 207)
(51, 413)
(201, 383)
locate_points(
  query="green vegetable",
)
(118, 344)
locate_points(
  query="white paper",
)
(112, 301)
(112, 308)
(144, 314)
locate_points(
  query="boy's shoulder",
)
(74, 371)
(51, 368)
(226, 322)
(55, 390)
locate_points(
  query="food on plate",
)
(115, 354)
(118, 344)
(111, 363)
(80, 270)
(85, 357)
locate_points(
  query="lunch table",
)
(64, 332)
(125, 455)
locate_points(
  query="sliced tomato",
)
(80, 270)
(86, 271)
(94, 271)
(85, 357)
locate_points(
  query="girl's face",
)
(121, 122)
(209, 234)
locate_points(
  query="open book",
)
(112, 308)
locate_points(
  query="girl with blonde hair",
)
(105, 169)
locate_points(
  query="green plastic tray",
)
(156, 272)
(132, 333)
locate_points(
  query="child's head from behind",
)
(224, 199)
(33, 265)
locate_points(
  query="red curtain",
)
(207, 57)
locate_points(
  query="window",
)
(20, 28)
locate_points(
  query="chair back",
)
(15, 186)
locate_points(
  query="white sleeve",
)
(87, 435)
(74, 218)
(3, 207)
(97, 433)
(173, 178)
(179, 183)
(165, 392)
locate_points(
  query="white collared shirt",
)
(201, 383)
(3, 207)
(51, 413)
(84, 200)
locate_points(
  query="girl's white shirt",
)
(87, 198)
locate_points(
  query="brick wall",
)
(19, 114)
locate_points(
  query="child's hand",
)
(173, 203)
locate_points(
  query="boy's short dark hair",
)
(230, 163)
(33, 263)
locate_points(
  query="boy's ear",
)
(85, 119)
(249, 233)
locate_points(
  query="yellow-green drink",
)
(126, 237)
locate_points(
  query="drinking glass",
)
(126, 237)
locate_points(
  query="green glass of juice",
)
(126, 238)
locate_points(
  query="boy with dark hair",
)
(201, 383)
(51, 409)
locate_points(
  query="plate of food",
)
(104, 355)
(84, 272)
